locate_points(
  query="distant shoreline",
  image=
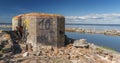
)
(91, 31)
(5, 26)
(81, 30)
(93, 24)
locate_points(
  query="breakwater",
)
(5, 26)
(105, 32)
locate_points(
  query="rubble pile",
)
(71, 53)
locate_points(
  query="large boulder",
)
(5, 42)
(81, 43)
(4, 37)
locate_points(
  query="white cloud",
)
(113, 18)
(94, 16)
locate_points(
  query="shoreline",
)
(5, 26)
(105, 32)
(92, 45)
(81, 30)
(78, 51)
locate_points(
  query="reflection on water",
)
(98, 39)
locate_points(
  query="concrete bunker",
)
(41, 29)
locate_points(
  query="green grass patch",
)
(108, 48)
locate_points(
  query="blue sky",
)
(75, 11)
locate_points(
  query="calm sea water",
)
(95, 26)
(98, 39)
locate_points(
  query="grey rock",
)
(81, 43)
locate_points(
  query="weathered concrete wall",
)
(43, 29)
(29, 28)
(61, 31)
(16, 21)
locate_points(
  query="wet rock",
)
(81, 43)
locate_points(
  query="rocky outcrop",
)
(5, 43)
(81, 43)
(68, 54)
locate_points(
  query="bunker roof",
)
(39, 15)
